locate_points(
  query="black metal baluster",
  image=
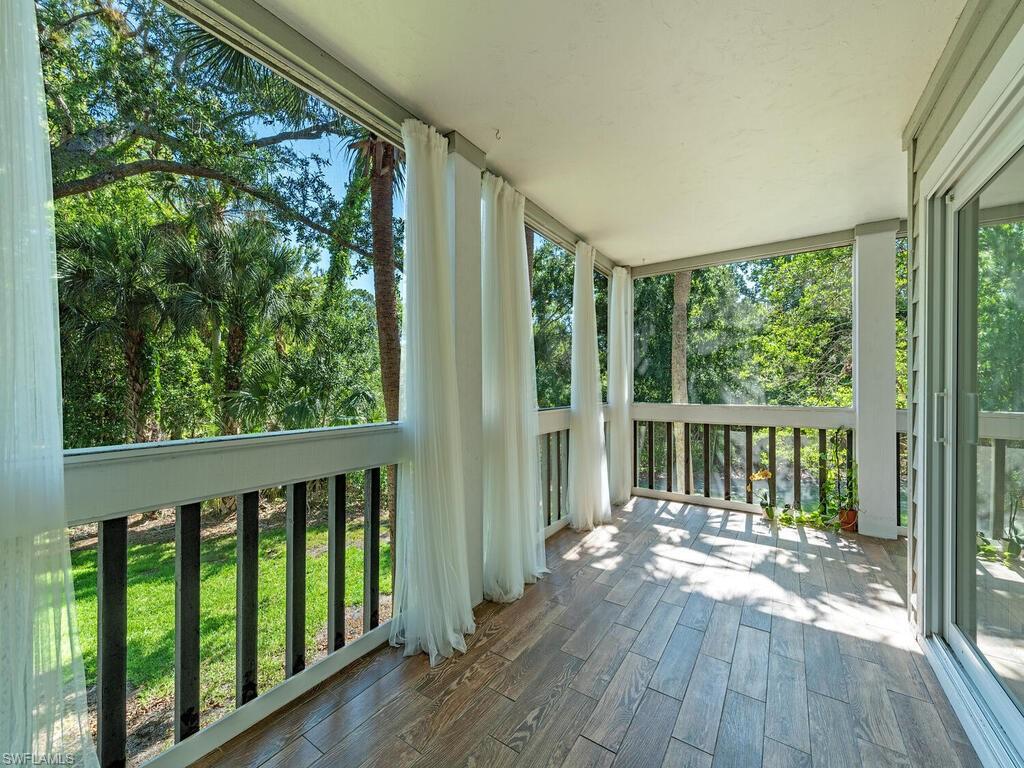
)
(668, 456)
(749, 469)
(849, 466)
(112, 642)
(686, 459)
(547, 478)
(707, 460)
(337, 502)
(558, 465)
(650, 454)
(727, 462)
(998, 489)
(295, 580)
(823, 465)
(636, 450)
(371, 550)
(247, 555)
(772, 466)
(796, 469)
(899, 474)
(186, 621)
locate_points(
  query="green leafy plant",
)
(763, 497)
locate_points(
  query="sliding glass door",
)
(987, 590)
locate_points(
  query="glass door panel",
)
(989, 529)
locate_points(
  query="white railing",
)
(712, 431)
(106, 485)
(553, 449)
(110, 482)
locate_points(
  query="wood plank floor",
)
(677, 636)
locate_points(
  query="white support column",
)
(874, 375)
(465, 162)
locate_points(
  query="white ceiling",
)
(660, 129)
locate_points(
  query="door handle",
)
(939, 417)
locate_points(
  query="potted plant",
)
(762, 494)
(841, 497)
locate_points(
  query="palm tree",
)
(374, 158)
(110, 289)
(378, 160)
(229, 278)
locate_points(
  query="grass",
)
(151, 586)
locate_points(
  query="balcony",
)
(692, 627)
(263, 216)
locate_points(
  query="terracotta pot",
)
(848, 520)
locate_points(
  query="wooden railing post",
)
(371, 550)
(247, 554)
(186, 621)
(295, 580)
(337, 501)
(112, 642)
(773, 469)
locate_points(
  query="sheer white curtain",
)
(433, 609)
(513, 522)
(42, 698)
(588, 465)
(620, 370)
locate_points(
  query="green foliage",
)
(552, 289)
(192, 302)
(775, 331)
(552, 322)
(1000, 317)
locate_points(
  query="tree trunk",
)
(233, 361)
(134, 348)
(680, 388)
(385, 289)
(529, 256)
(217, 366)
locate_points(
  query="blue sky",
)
(337, 175)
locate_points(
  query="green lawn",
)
(151, 610)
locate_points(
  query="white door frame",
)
(995, 154)
(989, 134)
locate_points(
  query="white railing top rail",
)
(746, 415)
(556, 419)
(999, 425)
(110, 482)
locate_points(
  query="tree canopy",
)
(775, 331)
(213, 224)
